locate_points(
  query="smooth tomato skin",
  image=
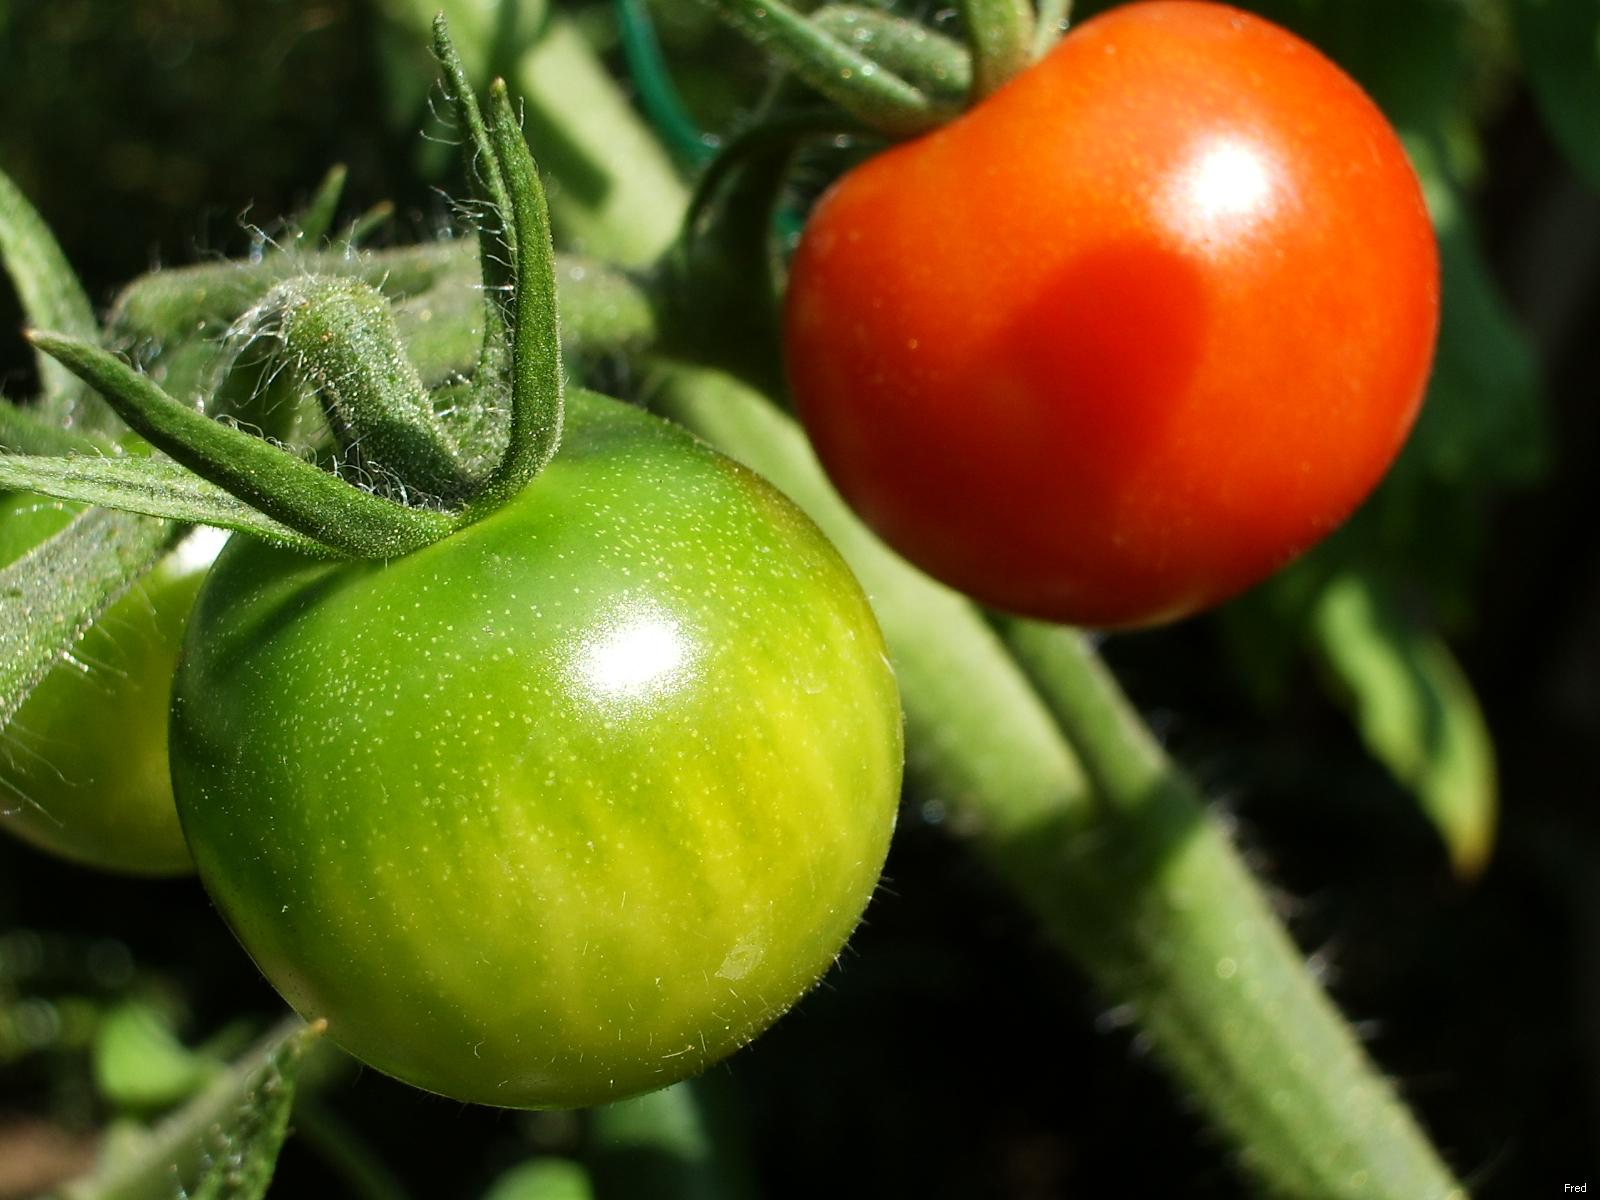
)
(83, 764)
(1133, 332)
(563, 808)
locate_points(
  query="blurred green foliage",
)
(159, 130)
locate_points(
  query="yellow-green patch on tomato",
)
(564, 807)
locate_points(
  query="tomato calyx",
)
(406, 470)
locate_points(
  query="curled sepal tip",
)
(536, 372)
(288, 489)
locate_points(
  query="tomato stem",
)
(1170, 921)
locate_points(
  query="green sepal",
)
(858, 84)
(288, 489)
(496, 253)
(717, 291)
(537, 380)
(936, 65)
(52, 594)
(1000, 34)
(153, 487)
(187, 304)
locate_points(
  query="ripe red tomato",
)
(1132, 333)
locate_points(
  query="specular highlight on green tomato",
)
(1127, 337)
(564, 807)
(83, 764)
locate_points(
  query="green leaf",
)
(1560, 42)
(51, 296)
(542, 1179)
(151, 486)
(140, 1063)
(312, 225)
(287, 489)
(222, 1145)
(52, 594)
(1416, 712)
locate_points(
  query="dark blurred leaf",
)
(1560, 43)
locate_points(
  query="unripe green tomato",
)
(83, 764)
(564, 807)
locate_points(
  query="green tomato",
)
(564, 807)
(83, 763)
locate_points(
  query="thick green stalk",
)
(1170, 922)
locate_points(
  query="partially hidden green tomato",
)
(564, 807)
(83, 764)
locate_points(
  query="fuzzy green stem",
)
(340, 337)
(1170, 922)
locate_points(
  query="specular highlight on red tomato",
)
(1130, 335)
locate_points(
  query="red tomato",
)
(1132, 333)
